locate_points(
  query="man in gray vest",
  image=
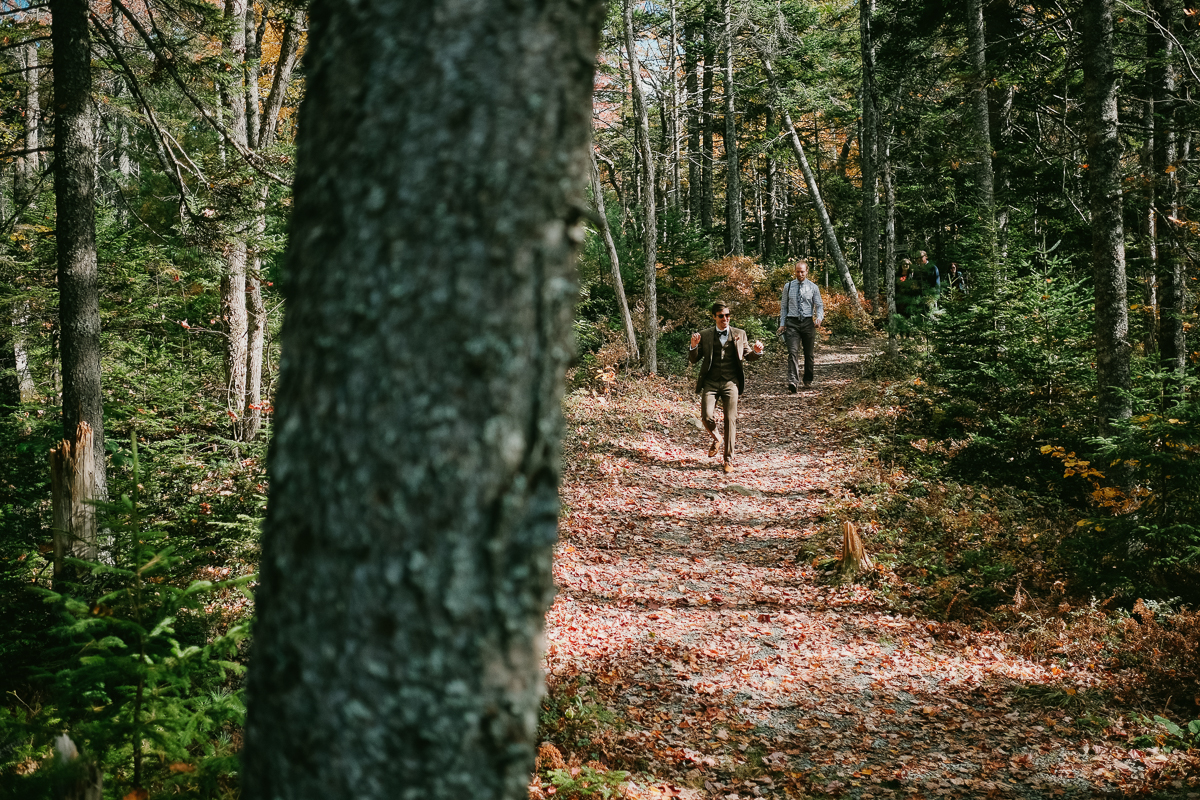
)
(801, 312)
(721, 350)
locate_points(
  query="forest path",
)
(689, 608)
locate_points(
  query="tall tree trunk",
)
(673, 88)
(709, 121)
(253, 56)
(406, 565)
(870, 153)
(27, 166)
(977, 45)
(768, 245)
(733, 172)
(1104, 201)
(831, 242)
(889, 224)
(1149, 221)
(233, 281)
(615, 263)
(264, 126)
(75, 229)
(1172, 345)
(691, 67)
(29, 163)
(649, 211)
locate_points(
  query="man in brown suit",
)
(721, 350)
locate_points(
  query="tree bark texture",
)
(415, 465)
(1172, 345)
(649, 209)
(75, 228)
(692, 43)
(733, 172)
(72, 501)
(1104, 201)
(233, 280)
(889, 222)
(870, 153)
(614, 262)
(977, 46)
(706, 112)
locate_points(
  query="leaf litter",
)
(689, 605)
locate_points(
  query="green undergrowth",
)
(992, 504)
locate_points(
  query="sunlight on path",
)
(686, 603)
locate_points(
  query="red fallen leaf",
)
(137, 794)
(764, 617)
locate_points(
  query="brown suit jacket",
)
(704, 353)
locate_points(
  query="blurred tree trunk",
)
(733, 172)
(1104, 201)
(649, 210)
(406, 564)
(75, 229)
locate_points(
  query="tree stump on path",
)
(72, 497)
(854, 560)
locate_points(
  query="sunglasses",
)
(723, 316)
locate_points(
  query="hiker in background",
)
(801, 312)
(957, 281)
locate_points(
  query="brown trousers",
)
(727, 393)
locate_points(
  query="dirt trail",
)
(689, 605)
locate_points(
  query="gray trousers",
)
(727, 393)
(799, 332)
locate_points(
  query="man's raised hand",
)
(695, 339)
(758, 346)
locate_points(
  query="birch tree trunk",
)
(233, 280)
(1104, 201)
(615, 263)
(831, 242)
(673, 88)
(406, 565)
(706, 111)
(649, 210)
(733, 172)
(75, 229)
(691, 84)
(265, 126)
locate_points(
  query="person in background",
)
(957, 280)
(721, 350)
(908, 291)
(801, 312)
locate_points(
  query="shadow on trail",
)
(736, 672)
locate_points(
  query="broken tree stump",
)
(854, 560)
(73, 500)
